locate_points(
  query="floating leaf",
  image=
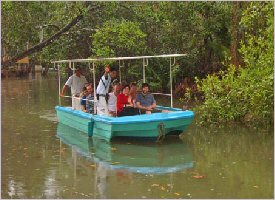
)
(178, 194)
(199, 176)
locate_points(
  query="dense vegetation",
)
(229, 47)
(244, 93)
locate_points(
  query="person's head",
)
(126, 89)
(145, 88)
(113, 72)
(77, 71)
(90, 89)
(84, 91)
(116, 87)
(133, 87)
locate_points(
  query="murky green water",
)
(41, 159)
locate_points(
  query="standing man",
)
(145, 100)
(76, 82)
(103, 89)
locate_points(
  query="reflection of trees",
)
(26, 166)
(101, 179)
(37, 94)
(23, 132)
(238, 156)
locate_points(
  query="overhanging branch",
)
(43, 44)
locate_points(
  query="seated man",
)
(87, 101)
(145, 101)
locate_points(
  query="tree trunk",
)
(236, 39)
(42, 45)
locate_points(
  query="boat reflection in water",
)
(124, 158)
(138, 157)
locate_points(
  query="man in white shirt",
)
(112, 101)
(76, 82)
(103, 89)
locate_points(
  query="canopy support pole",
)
(59, 99)
(145, 64)
(95, 99)
(120, 66)
(171, 80)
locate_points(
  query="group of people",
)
(124, 100)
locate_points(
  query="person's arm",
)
(64, 89)
(139, 106)
(130, 101)
(66, 86)
(107, 70)
(154, 105)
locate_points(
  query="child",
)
(87, 101)
(83, 96)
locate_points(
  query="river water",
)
(43, 159)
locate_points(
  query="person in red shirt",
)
(125, 104)
(122, 100)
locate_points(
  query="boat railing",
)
(80, 98)
(121, 65)
(161, 94)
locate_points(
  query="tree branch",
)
(43, 44)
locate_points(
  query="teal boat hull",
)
(140, 126)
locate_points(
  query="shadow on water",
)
(138, 157)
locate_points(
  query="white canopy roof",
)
(119, 58)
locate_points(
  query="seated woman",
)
(123, 106)
(133, 94)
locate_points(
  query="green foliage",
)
(119, 38)
(245, 93)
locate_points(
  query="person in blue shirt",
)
(83, 96)
(145, 101)
(87, 101)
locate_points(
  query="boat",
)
(141, 157)
(156, 126)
